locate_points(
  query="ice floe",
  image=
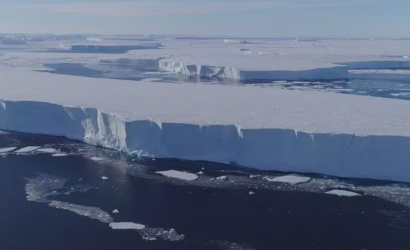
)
(179, 175)
(290, 179)
(340, 192)
(126, 226)
(7, 150)
(28, 149)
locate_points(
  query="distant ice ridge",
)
(345, 155)
(336, 72)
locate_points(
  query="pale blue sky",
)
(268, 18)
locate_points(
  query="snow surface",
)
(126, 226)
(339, 192)
(27, 149)
(290, 179)
(178, 175)
(264, 128)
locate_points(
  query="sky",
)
(246, 18)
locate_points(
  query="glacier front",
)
(253, 126)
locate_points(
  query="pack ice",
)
(263, 128)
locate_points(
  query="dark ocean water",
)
(208, 216)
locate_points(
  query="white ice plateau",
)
(252, 125)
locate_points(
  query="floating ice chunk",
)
(179, 175)
(98, 159)
(126, 226)
(340, 192)
(59, 155)
(148, 238)
(6, 150)
(290, 179)
(104, 178)
(90, 212)
(47, 150)
(115, 211)
(251, 193)
(200, 173)
(222, 178)
(27, 149)
(253, 176)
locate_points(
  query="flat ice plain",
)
(256, 126)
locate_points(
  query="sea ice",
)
(290, 179)
(340, 192)
(179, 175)
(97, 159)
(47, 150)
(6, 150)
(59, 155)
(126, 226)
(87, 211)
(27, 149)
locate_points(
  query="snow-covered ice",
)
(47, 150)
(59, 155)
(293, 131)
(7, 150)
(290, 179)
(97, 159)
(126, 226)
(104, 178)
(340, 192)
(87, 211)
(28, 149)
(115, 211)
(252, 126)
(178, 175)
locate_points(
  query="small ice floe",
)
(59, 155)
(200, 173)
(126, 226)
(251, 193)
(90, 212)
(253, 176)
(340, 192)
(47, 150)
(7, 150)
(104, 178)
(290, 179)
(147, 238)
(179, 175)
(115, 211)
(26, 150)
(221, 178)
(97, 159)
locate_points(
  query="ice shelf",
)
(253, 126)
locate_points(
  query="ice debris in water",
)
(27, 149)
(340, 192)
(47, 150)
(59, 155)
(90, 212)
(97, 159)
(179, 175)
(104, 178)
(115, 211)
(290, 179)
(6, 150)
(222, 178)
(42, 186)
(126, 226)
(251, 193)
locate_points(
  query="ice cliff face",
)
(379, 157)
(327, 74)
